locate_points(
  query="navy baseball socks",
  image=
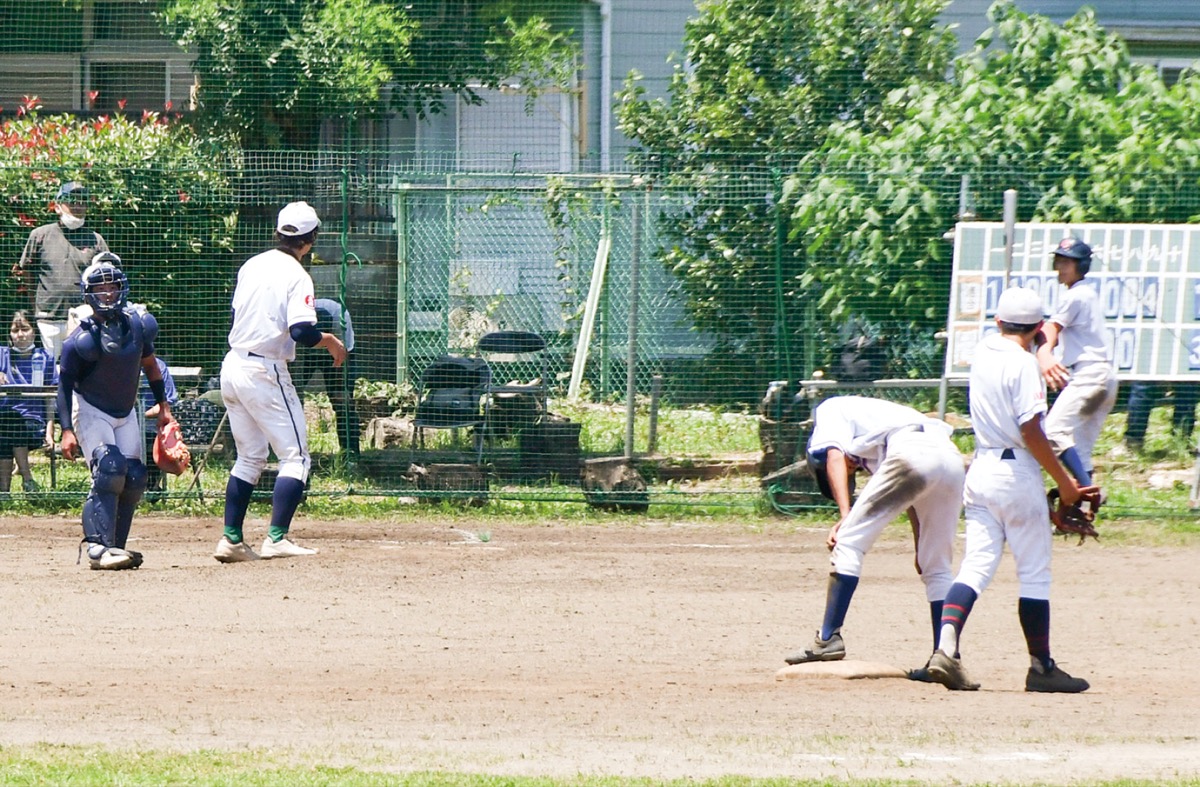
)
(1044, 675)
(945, 667)
(284, 502)
(237, 502)
(1074, 463)
(828, 645)
(231, 548)
(935, 616)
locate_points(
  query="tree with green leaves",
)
(761, 85)
(273, 70)
(161, 197)
(1058, 112)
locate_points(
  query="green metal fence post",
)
(631, 355)
(401, 210)
(782, 335)
(343, 424)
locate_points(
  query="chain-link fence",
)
(649, 355)
(539, 306)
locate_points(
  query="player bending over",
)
(915, 468)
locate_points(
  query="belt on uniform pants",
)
(254, 355)
(1003, 453)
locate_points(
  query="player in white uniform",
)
(1005, 499)
(914, 467)
(273, 309)
(1085, 373)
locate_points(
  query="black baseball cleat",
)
(1054, 681)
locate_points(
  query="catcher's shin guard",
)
(109, 467)
(136, 479)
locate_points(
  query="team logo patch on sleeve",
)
(308, 301)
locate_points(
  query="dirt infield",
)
(649, 648)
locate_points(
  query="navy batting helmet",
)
(817, 466)
(105, 269)
(1075, 249)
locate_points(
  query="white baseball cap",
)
(1019, 306)
(297, 218)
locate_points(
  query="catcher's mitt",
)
(1077, 518)
(170, 452)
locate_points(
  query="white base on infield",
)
(846, 669)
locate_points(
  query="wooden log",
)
(614, 484)
(468, 483)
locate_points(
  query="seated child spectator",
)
(23, 420)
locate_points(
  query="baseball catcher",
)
(170, 452)
(102, 363)
(1075, 519)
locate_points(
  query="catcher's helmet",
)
(819, 469)
(1075, 249)
(105, 269)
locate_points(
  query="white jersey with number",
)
(273, 293)
(1081, 326)
(859, 426)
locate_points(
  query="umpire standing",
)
(273, 311)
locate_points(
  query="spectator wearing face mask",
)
(22, 419)
(54, 258)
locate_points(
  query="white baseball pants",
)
(265, 414)
(94, 428)
(1079, 411)
(1006, 502)
(923, 470)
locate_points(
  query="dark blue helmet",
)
(820, 471)
(105, 269)
(1075, 249)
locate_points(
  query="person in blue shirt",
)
(22, 419)
(336, 379)
(154, 478)
(101, 367)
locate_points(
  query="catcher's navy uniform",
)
(102, 363)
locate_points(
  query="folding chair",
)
(517, 405)
(451, 390)
(201, 419)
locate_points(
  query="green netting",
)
(783, 213)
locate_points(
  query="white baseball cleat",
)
(110, 559)
(229, 552)
(283, 548)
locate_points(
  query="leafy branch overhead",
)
(274, 69)
(760, 85)
(1059, 113)
(820, 147)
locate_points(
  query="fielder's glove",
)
(170, 452)
(1077, 518)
